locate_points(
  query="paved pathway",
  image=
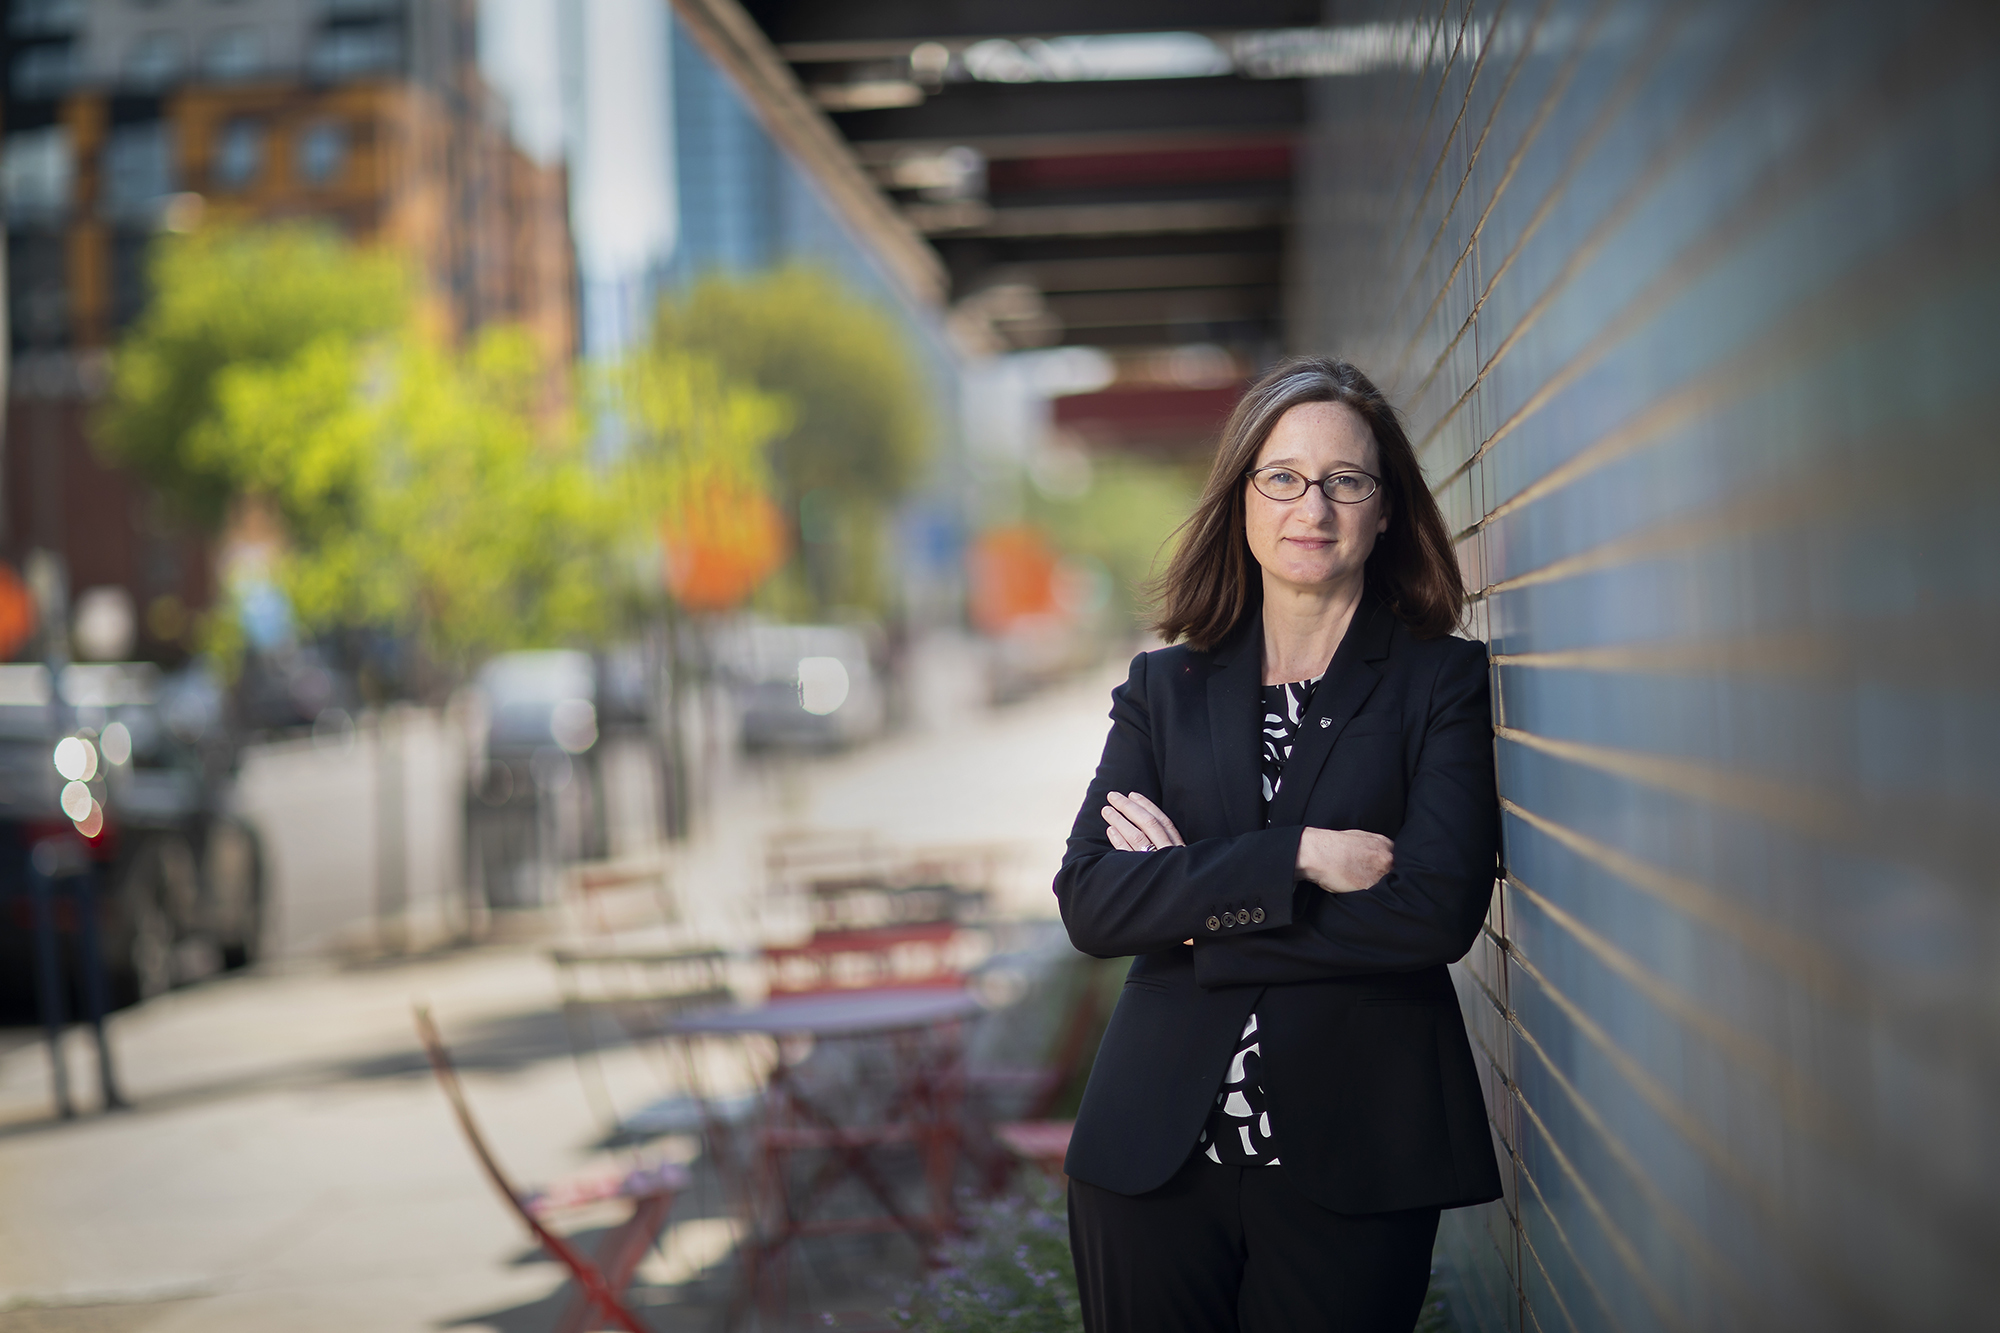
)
(289, 1164)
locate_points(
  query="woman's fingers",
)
(1148, 818)
(1149, 814)
(1123, 833)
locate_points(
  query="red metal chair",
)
(924, 954)
(602, 1280)
(1040, 1143)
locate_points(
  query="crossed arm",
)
(1385, 906)
(1337, 860)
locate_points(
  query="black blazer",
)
(1374, 1099)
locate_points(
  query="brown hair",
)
(1212, 582)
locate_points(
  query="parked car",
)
(803, 686)
(116, 770)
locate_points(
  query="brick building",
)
(122, 117)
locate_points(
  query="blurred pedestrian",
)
(1294, 828)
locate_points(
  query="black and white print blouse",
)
(1238, 1132)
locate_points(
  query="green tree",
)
(225, 298)
(858, 437)
(429, 490)
(1123, 518)
(423, 490)
(691, 431)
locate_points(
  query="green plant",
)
(1436, 1314)
(235, 299)
(283, 383)
(1011, 1271)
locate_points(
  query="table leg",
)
(947, 1130)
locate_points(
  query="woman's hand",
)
(1344, 860)
(1135, 824)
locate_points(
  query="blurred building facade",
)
(123, 119)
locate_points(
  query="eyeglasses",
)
(1285, 484)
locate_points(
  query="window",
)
(153, 59)
(39, 166)
(44, 70)
(322, 152)
(137, 170)
(239, 153)
(129, 289)
(234, 53)
(37, 17)
(342, 53)
(37, 290)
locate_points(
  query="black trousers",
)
(1236, 1249)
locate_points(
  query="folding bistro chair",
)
(637, 993)
(602, 1280)
(1012, 1103)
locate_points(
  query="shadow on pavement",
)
(504, 1044)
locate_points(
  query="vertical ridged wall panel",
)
(1692, 309)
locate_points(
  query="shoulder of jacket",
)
(1443, 653)
(1159, 666)
(1173, 660)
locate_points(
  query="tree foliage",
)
(695, 461)
(225, 298)
(1124, 518)
(423, 489)
(858, 425)
(858, 435)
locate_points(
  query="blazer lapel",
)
(1234, 726)
(1350, 679)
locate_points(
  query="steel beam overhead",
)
(796, 24)
(1130, 212)
(1142, 111)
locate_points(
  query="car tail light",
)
(99, 845)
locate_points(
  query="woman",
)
(1294, 828)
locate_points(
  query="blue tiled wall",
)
(1692, 308)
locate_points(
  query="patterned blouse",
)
(1238, 1132)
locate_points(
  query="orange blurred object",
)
(17, 612)
(722, 546)
(1014, 578)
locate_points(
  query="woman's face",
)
(1311, 543)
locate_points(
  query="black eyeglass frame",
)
(1251, 477)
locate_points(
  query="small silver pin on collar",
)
(1325, 722)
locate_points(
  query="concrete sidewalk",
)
(289, 1163)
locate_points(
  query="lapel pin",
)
(1325, 722)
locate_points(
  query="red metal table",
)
(919, 1105)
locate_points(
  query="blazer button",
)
(1242, 916)
(1214, 923)
(1257, 914)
